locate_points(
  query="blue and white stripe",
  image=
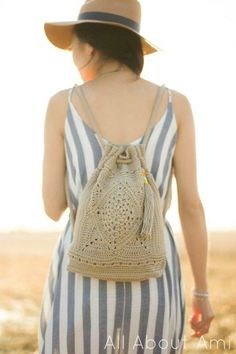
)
(79, 314)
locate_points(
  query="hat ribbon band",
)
(105, 16)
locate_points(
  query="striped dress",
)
(80, 314)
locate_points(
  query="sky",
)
(198, 59)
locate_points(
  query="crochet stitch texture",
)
(118, 228)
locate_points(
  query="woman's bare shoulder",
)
(59, 98)
(181, 106)
(57, 104)
(181, 103)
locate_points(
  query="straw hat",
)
(123, 13)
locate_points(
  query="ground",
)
(24, 263)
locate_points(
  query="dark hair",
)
(113, 42)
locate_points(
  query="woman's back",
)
(118, 104)
(84, 314)
(80, 134)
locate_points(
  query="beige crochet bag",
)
(118, 228)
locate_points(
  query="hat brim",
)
(60, 34)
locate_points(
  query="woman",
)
(82, 314)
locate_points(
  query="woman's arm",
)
(190, 207)
(53, 186)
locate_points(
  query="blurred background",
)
(198, 59)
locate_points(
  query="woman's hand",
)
(202, 316)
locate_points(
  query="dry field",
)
(24, 262)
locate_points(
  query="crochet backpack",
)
(118, 227)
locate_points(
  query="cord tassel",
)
(148, 213)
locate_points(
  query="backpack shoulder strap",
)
(155, 106)
(80, 92)
(157, 100)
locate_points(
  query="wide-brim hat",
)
(123, 13)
